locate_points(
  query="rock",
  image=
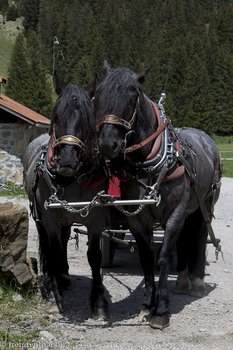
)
(17, 297)
(46, 335)
(11, 168)
(13, 243)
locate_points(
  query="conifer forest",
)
(186, 44)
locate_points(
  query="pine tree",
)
(40, 100)
(29, 9)
(19, 73)
(27, 81)
(221, 94)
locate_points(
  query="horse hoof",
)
(183, 284)
(144, 315)
(52, 307)
(65, 281)
(159, 322)
(197, 288)
(100, 314)
(181, 289)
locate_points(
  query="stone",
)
(11, 167)
(13, 243)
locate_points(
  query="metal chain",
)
(83, 212)
(130, 213)
(152, 195)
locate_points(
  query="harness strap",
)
(149, 139)
(43, 170)
(203, 208)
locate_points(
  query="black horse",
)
(178, 168)
(64, 164)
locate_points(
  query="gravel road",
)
(200, 324)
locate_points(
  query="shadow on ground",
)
(76, 299)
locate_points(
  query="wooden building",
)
(18, 125)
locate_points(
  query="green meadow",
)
(225, 146)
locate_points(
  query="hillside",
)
(8, 33)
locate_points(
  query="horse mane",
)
(74, 100)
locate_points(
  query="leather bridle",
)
(66, 140)
(115, 120)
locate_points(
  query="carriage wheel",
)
(108, 251)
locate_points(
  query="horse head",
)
(120, 109)
(71, 129)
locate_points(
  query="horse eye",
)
(75, 101)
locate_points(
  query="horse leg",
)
(161, 315)
(53, 253)
(43, 247)
(65, 278)
(197, 257)
(143, 237)
(184, 249)
(99, 304)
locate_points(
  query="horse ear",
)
(58, 84)
(140, 77)
(107, 68)
(90, 89)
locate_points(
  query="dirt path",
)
(200, 324)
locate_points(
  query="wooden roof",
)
(23, 112)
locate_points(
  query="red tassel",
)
(114, 186)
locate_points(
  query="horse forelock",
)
(75, 105)
(117, 94)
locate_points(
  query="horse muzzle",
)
(110, 142)
(68, 161)
(66, 171)
(111, 149)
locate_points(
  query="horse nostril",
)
(114, 146)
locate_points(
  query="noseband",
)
(68, 140)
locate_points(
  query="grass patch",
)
(13, 340)
(227, 168)
(225, 146)
(16, 316)
(10, 308)
(8, 189)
